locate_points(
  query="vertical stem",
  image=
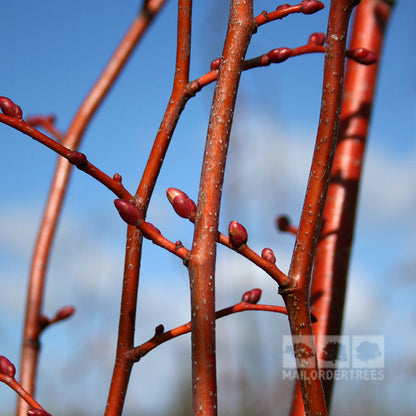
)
(177, 101)
(40, 259)
(334, 247)
(297, 298)
(201, 261)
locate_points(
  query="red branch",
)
(202, 257)
(177, 101)
(40, 259)
(296, 297)
(139, 352)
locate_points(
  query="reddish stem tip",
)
(268, 255)
(311, 6)
(9, 108)
(238, 234)
(128, 211)
(252, 296)
(64, 313)
(6, 367)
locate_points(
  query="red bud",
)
(172, 193)
(363, 56)
(238, 234)
(38, 412)
(317, 38)
(159, 330)
(215, 64)
(6, 367)
(279, 55)
(128, 212)
(268, 255)
(182, 204)
(64, 313)
(117, 177)
(77, 158)
(9, 108)
(283, 223)
(311, 6)
(252, 296)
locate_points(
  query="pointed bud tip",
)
(183, 205)
(238, 234)
(6, 367)
(311, 6)
(172, 193)
(128, 212)
(64, 313)
(9, 108)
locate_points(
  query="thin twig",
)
(297, 297)
(40, 259)
(125, 341)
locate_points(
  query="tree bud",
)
(268, 255)
(311, 6)
(9, 108)
(238, 234)
(215, 64)
(117, 177)
(128, 212)
(6, 367)
(182, 204)
(363, 56)
(283, 223)
(317, 38)
(77, 158)
(252, 296)
(279, 55)
(159, 330)
(64, 313)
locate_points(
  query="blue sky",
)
(52, 53)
